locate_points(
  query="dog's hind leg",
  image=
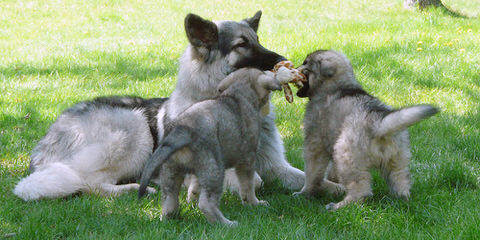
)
(357, 183)
(191, 182)
(245, 175)
(171, 183)
(398, 176)
(208, 203)
(316, 165)
(210, 177)
(271, 163)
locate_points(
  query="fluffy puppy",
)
(357, 131)
(211, 136)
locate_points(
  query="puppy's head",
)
(261, 82)
(325, 66)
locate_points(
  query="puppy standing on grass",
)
(345, 124)
(211, 136)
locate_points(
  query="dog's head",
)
(325, 67)
(260, 82)
(237, 42)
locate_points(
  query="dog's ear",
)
(254, 21)
(200, 32)
(226, 82)
(269, 82)
(328, 69)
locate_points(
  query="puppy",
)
(357, 131)
(211, 136)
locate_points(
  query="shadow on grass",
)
(383, 63)
(108, 64)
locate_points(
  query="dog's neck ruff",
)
(197, 81)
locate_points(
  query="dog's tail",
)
(52, 181)
(404, 118)
(175, 140)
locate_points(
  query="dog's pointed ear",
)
(254, 21)
(200, 32)
(328, 69)
(269, 82)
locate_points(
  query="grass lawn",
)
(56, 53)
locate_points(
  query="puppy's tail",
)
(404, 118)
(177, 139)
(52, 181)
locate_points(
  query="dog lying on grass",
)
(357, 131)
(211, 136)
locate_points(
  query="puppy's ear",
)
(254, 21)
(328, 69)
(269, 82)
(226, 82)
(200, 32)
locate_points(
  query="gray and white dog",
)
(358, 132)
(91, 147)
(211, 136)
(95, 145)
(216, 49)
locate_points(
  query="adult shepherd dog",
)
(95, 145)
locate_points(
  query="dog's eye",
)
(240, 44)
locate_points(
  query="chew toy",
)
(285, 73)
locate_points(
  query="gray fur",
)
(356, 131)
(103, 127)
(208, 138)
(91, 148)
(205, 63)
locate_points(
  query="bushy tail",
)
(53, 181)
(176, 139)
(404, 118)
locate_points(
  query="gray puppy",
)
(208, 138)
(357, 131)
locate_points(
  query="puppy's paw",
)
(306, 194)
(284, 75)
(151, 190)
(404, 195)
(262, 203)
(298, 194)
(331, 206)
(232, 223)
(192, 196)
(333, 188)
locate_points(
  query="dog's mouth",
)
(303, 92)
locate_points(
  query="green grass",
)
(56, 53)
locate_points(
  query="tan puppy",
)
(345, 124)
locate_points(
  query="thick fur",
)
(216, 49)
(357, 131)
(208, 138)
(91, 147)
